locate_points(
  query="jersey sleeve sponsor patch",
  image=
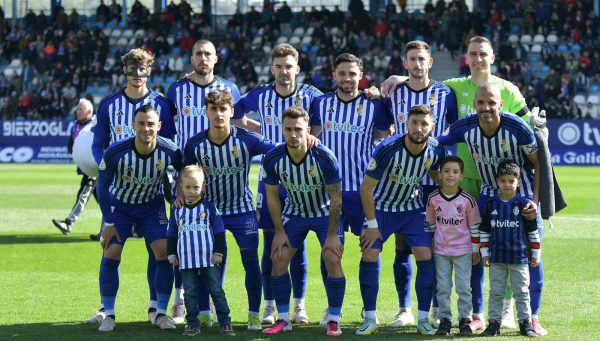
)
(372, 165)
(102, 165)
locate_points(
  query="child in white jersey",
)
(453, 217)
(196, 243)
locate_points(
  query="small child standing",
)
(507, 240)
(453, 217)
(196, 243)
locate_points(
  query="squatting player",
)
(389, 194)
(225, 153)
(114, 122)
(312, 179)
(270, 101)
(130, 180)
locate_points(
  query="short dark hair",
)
(509, 167)
(453, 158)
(348, 58)
(421, 109)
(146, 108)
(294, 113)
(219, 97)
(416, 45)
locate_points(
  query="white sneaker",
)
(152, 315)
(178, 313)
(164, 322)
(107, 325)
(435, 319)
(268, 315)
(97, 318)
(508, 315)
(403, 318)
(299, 316)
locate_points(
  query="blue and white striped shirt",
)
(188, 98)
(514, 140)
(195, 227)
(348, 130)
(127, 177)
(305, 182)
(440, 99)
(115, 118)
(401, 173)
(270, 106)
(227, 166)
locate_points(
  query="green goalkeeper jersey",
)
(465, 88)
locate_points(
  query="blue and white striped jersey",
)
(514, 140)
(188, 98)
(401, 173)
(227, 166)
(348, 130)
(195, 227)
(506, 237)
(305, 182)
(127, 177)
(115, 117)
(440, 98)
(270, 106)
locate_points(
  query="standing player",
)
(225, 153)
(130, 179)
(349, 124)
(312, 179)
(390, 198)
(480, 57)
(85, 115)
(188, 96)
(114, 123)
(492, 136)
(418, 89)
(270, 101)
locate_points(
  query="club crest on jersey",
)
(188, 96)
(401, 117)
(159, 165)
(372, 165)
(298, 101)
(459, 209)
(516, 211)
(312, 171)
(235, 151)
(102, 165)
(428, 163)
(432, 100)
(360, 110)
(504, 146)
(202, 214)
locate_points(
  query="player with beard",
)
(389, 194)
(188, 96)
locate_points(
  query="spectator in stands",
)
(590, 111)
(284, 16)
(176, 65)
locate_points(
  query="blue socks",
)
(164, 285)
(477, 277)
(282, 290)
(266, 266)
(403, 271)
(299, 271)
(151, 272)
(536, 284)
(109, 283)
(253, 279)
(425, 283)
(368, 276)
(335, 289)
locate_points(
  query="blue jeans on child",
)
(212, 279)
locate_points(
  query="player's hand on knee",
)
(369, 237)
(280, 240)
(109, 232)
(173, 260)
(334, 244)
(476, 258)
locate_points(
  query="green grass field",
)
(49, 282)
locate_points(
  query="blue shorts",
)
(297, 229)
(244, 228)
(265, 221)
(151, 217)
(482, 201)
(410, 224)
(353, 216)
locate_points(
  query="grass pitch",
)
(49, 282)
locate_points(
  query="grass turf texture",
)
(50, 282)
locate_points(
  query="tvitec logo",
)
(571, 134)
(345, 127)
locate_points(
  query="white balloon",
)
(82, 152)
